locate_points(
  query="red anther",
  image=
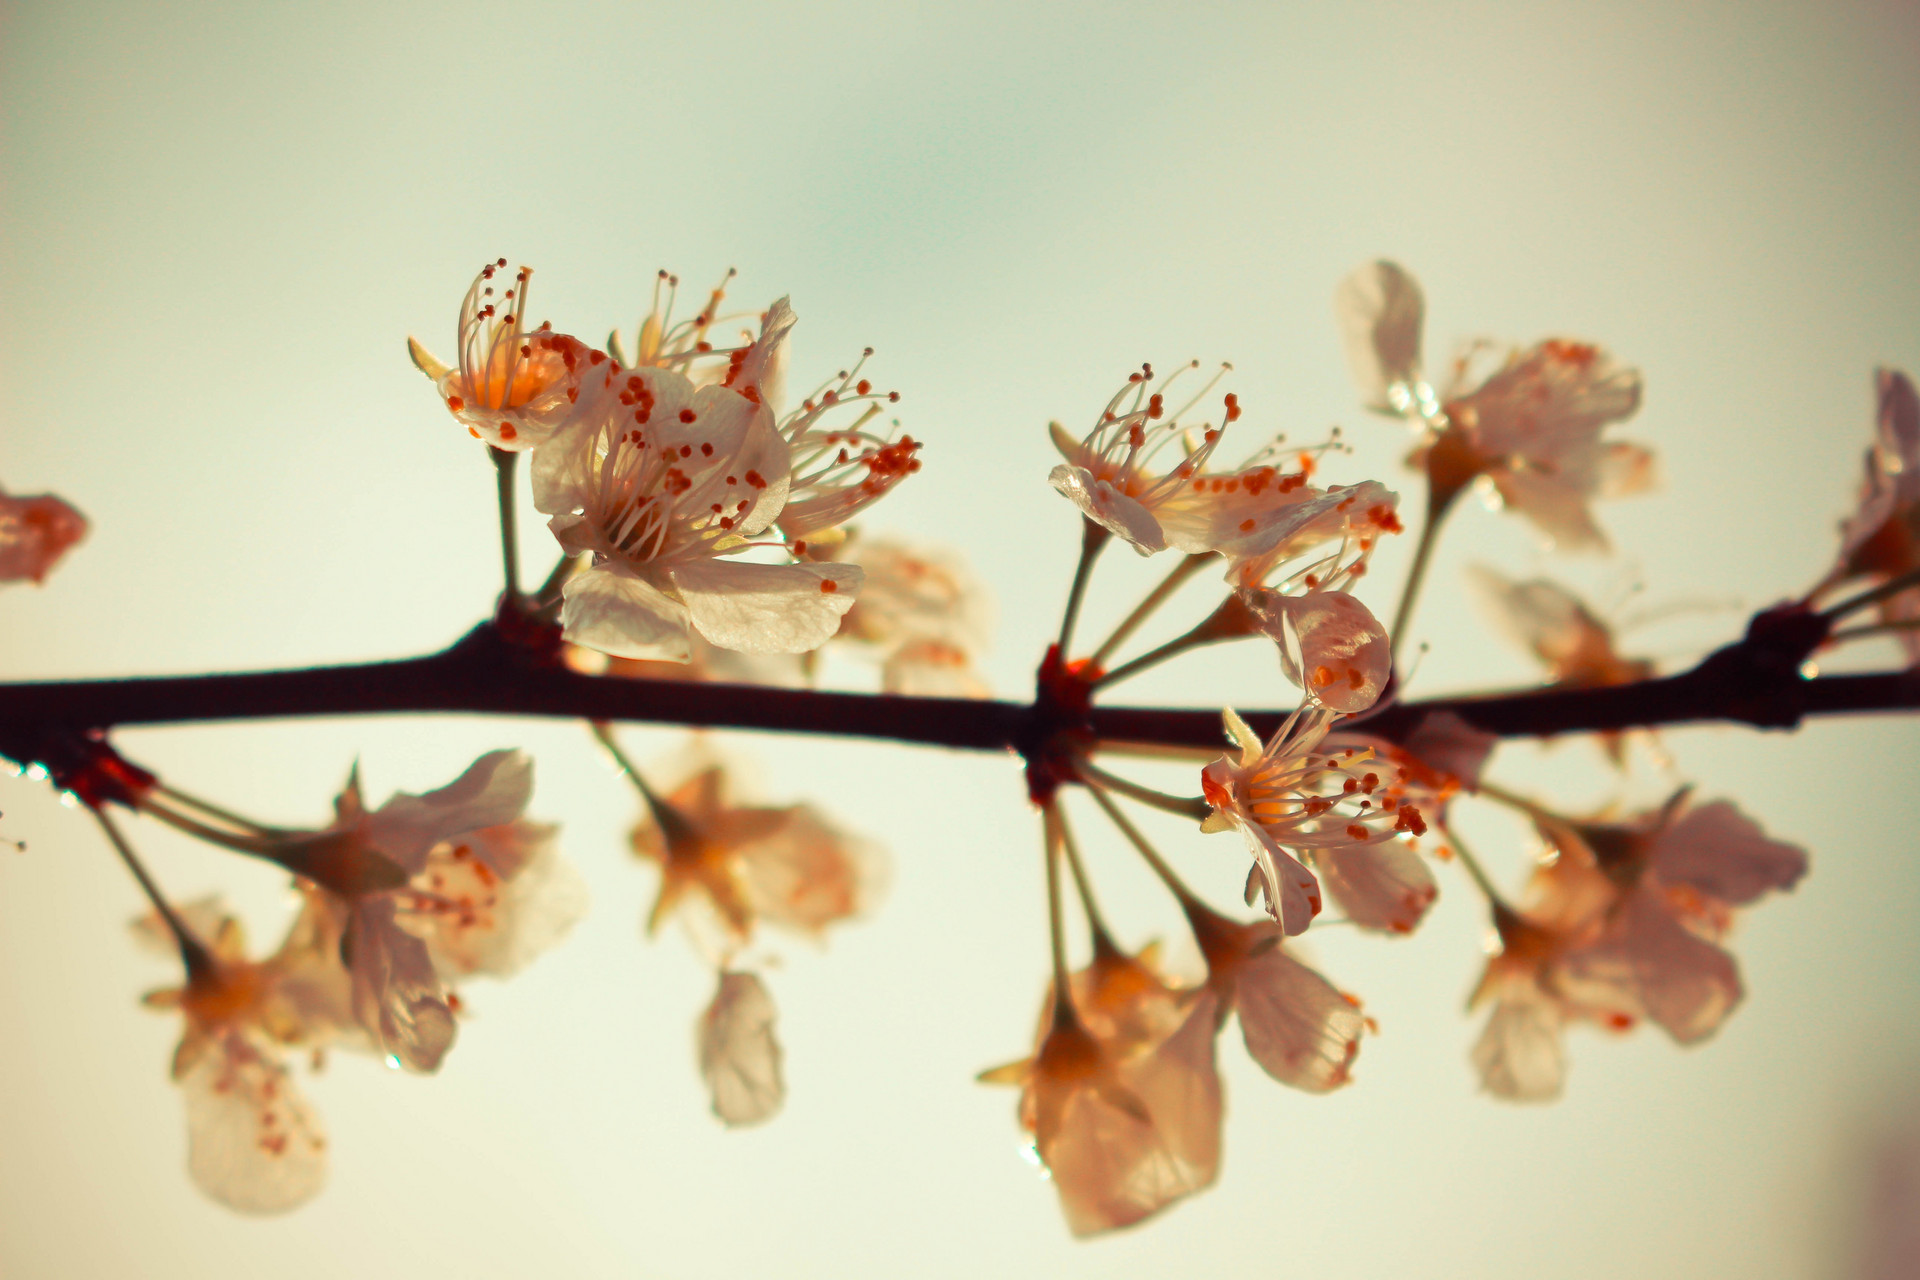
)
(863, 386)
(687, 415)
(1233, 407)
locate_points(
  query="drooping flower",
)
(1290, 794)
(254, 1143)
(513, 385)
(1331, 646)
(1122, 1095)
(423, 877)
(659, 480)
(1881, 540)
(738, 864)
(1380, 311)
(35, 531)
(739, 1054)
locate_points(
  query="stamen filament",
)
(1475, 870)
(1853, 604)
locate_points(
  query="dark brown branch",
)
(1755, 681)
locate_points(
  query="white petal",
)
(397, 996)
(1379, 886)
(494, 900)
(1298, 1027)
(615, 612)
(1101, 503)
(1330, 645)
(563, 465)
(739, 1056)
(1380, 310)
(1724, 854)
(806, 874)
(1293, 894)
(253, 1142)
(1519, 1055)
(493, 790)
(766, 608)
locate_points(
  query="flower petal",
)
(1297, 1025)
(1520, 1056)
(1379, 309)
(617, 612)
(739, 1055)
(253, 1142)
(766, 608)
(1723, 853)
(1106, 506)
(1379, 886)
(492, 791)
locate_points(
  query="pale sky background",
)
(219, 224)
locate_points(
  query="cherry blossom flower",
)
(1107, 475)
(923, 611)
(35, 532)
(1532, 427)
(1288, 794)
(253, 1142)
(788, 866)
(1881, 540)
(739, 1056)
(1122, 1094)
(423, 877)
(513, 386)
(659, 479)
(1623, 923)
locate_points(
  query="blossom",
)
(1353, 517)
(739, 1056)
(1881, 540)
(424, 888)
(1623, 923)
(512, 386)
(1122, 1094)
(1532, 426)
(34, 533)
(254, 1143)
(1289, 794)
(659, 479)
(923, 611)
(1108, 475)
(788, 866)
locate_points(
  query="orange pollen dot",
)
(755, 479)
(455, 403)
(507, 432)
(863, 386)
(1246, 526)
(1322, 677)
(828, 586)
(686, 415)
(1357, 831)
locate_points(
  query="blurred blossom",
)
(1881, 540)
(34, 533)
(923, 611)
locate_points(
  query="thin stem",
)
(1195, 807)
(1093, 537)
(503, 466)
(214, 811)
(1875, 629)
(1147, 851)
(1439, 503)
(1230, 620)
(673, 824)
(1474, 869)
(1096, 924)
(1051, 840)
(254, 846)
(193, 952)
(1145, 609)
(1853, 604)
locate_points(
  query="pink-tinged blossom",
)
(739, 1054)
(254, 1143)
(1292, 794)
(374, 903)
(1122, 1094)
(660, 480)
(1352, 518)
(1881, 540)
(736, 865)
(35, 531)
(1573, 645)
(1533, 429)
(513, 385)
